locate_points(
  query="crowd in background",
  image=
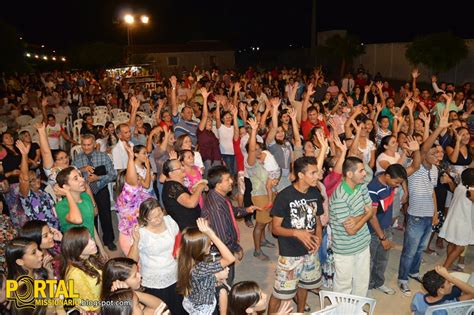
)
(329, 167)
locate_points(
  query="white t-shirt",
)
(54, 135)
(269, 163)
(226, 136)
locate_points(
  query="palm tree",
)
(344, 48)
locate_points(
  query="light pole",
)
(129, 20)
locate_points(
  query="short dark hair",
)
(214, 176)
(396, 171)
(467, 177)
(350, 165)
(301, 164)
(63, 176)
(167, 169)
(432, 281)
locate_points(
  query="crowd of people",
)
(329, 169)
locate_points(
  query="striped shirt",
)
(421, 185)
(185, 127)
(347, 202)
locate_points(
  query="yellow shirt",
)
(85, 286)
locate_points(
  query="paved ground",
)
(263, 272)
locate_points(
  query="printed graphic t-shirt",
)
(299, 211)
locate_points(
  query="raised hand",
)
(379, 85)
(237, 87)
(444, 118)
(134, 102)
(341, 145)
(40, 126)
(204, 93)
(173, 81)
(367, 89)
(415, 73)
(350, 101)
(434, 78)
(173, 155)
(44, 102)
(24, 149)
(275, 102)
(204, 227)
(233, 110)
(292, 113)
(136, 234)
(129, 150)
(340, 98)
(322, 139)
(57, 235)
(310, 90)
(412, 144)
(253, 123)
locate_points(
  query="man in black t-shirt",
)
(296, 222)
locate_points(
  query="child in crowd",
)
(442, 288)
(196, 271)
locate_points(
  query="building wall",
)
(203, 59)
(389, 59)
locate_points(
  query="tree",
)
(12, 54)
(344, 48)
(96, 55)
(439, 51)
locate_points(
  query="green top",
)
(347, 202)
(87, 210)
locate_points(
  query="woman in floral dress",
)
(131, 195)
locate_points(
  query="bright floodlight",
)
(63, 59)
(129, 19)
(36, 56)
(144, 19)
(28, 55)
(45, 58)
(54, 58)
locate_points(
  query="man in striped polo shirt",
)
(349, 210)
(422, 210)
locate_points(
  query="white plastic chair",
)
(149, 120)
(123, 116)
(76, 133)
(329, 310)
(101, 108)
(3, 127)
(77, 122)
(114, 112)
(35, 120)
(348, 304)
(75, 150)
(100, 112)
(23, 120)
(456, 308)
(83, 110)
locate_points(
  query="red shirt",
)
(429, 103)
(306, 127)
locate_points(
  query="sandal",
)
(268, 244)
(260, 255)
(249, 224)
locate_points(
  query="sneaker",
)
(383, 288)
(405, 289)
(417, 278)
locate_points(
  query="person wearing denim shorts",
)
(297, 224)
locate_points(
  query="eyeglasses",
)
(175, 169)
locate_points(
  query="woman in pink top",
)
(131, 195)
(192, 172)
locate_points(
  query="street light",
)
(144, 19)
(129, 20)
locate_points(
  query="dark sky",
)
(60, 24)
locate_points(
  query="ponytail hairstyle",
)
(193, 250)
(118, 268)
(73, 243)
(243, 295)
(15, 250)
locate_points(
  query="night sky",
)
(61, 24)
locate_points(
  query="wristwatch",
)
(383, 238)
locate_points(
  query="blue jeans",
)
(416, 238)
(229, 161)
(378, 259)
